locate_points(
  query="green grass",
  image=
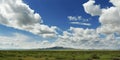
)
(59, 55)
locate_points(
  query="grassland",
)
(59, 55)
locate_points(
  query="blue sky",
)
(55, 12)
(48, 22)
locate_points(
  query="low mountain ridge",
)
(57, 47)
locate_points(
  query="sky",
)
(79, 24)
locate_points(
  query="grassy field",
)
(59, 55)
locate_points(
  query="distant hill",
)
(57, 48)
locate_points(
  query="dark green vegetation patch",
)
(59, 55)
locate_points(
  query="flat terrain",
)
(59, 55)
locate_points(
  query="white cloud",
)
(109, 17)
(77, 18)
(81, 23)
(17, 14)
(80, 38)
(115, 3)
(92, 9)
(109, 29)
(20, 41)
(110, 20)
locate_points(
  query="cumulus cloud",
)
(80, 38)
(108, 17)
(92, 9)
(110, 20)
(18, 15)
(20, 41)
